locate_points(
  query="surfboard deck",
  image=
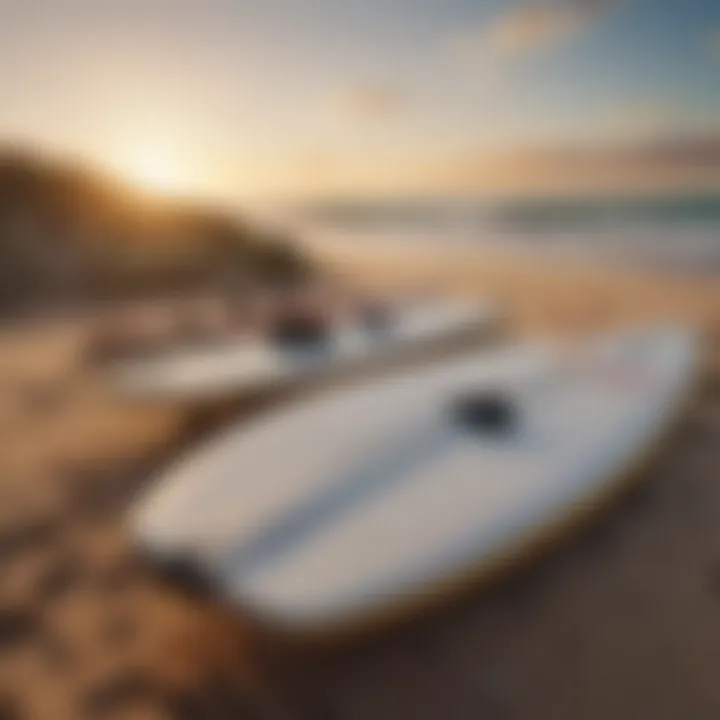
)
(375, 498)
(252, 365)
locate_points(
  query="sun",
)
(155, 170)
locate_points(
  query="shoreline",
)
(606, 292)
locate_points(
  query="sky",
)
(261, 98)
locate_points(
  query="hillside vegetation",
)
(71, 234)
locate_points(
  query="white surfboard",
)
(371, 498)
(249, 366)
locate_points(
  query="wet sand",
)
(622, 620)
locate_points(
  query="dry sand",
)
(622, 621)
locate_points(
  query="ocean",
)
(680, 233)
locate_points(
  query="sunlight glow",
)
(156, 170)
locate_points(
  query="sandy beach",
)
(622, 621)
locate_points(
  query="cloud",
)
(670, 163)
(529, 28)
(647, 119)
(371, 102)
